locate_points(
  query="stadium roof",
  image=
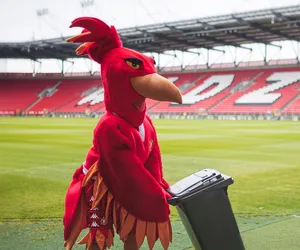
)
(263, 26)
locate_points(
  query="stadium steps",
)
(194, 83)
(227, 105)
(65, 104)
(50, 91)
(102, 105)
(72, 105)
(32, 104)
(290, 103)
(187, 87)
(221, 100)
(258, 75)
(244, 85)
(153, 105)
(89, 91)
(45, 93)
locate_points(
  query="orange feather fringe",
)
(128, 224)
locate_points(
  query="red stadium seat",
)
(18, 94)
(67, 95)
(220, 92)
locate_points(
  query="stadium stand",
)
(293, 107)
(65, 95)
(91, 100)
(230, 88)
(19, 95)
(209, 90)
(257, 91)
(272, 90)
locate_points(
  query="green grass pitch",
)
(39, 155)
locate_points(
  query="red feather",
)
(105, 38)
(83, 37)
(93, 25)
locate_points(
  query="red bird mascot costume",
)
(120, 187)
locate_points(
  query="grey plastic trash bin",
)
(202, 202)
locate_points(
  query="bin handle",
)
(173, 201)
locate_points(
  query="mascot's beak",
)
(156, 87)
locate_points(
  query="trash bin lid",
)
(195, 182)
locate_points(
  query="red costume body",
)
(121, 183)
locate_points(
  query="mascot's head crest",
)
(97, 38)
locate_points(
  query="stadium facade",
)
(266, 89)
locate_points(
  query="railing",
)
(281, 62)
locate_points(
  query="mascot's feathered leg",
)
(77, 224)
(75, 207)
(130, 243)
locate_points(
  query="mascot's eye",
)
(154, 62)
(133, 62)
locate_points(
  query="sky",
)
(19, 20)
